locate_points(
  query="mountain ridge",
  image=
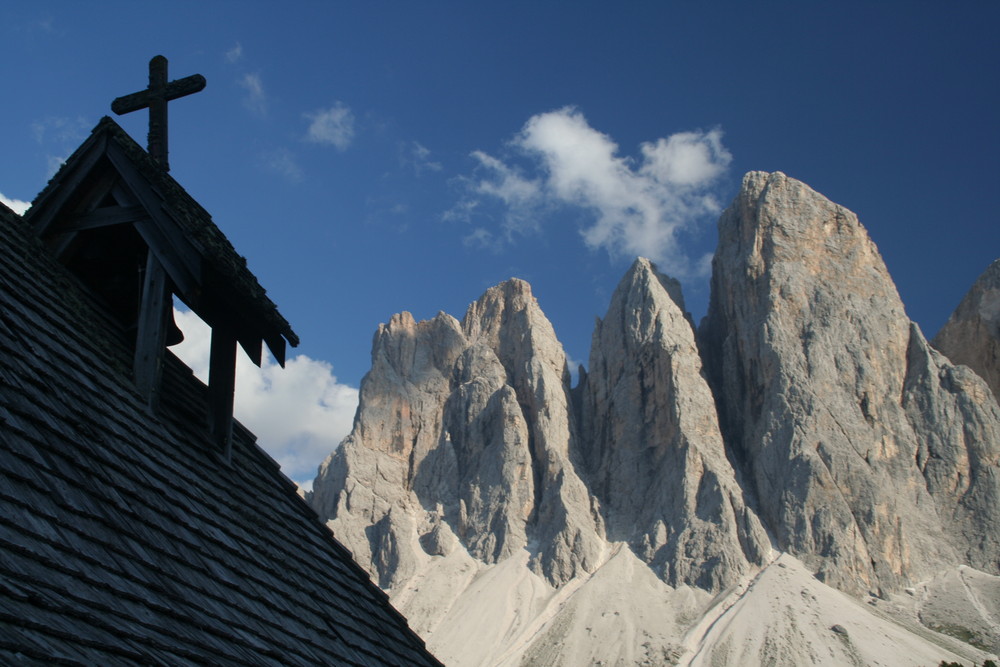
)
(806, 419)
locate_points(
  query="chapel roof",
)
(221, 281)
(125, 537)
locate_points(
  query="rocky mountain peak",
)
(472, 420)
(642, 288)
(814, 364)
(651, 438)
(972, 334)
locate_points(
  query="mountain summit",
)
(871, 456)
(972, 334)
(465, 436)
(805, 450)
(650, 434)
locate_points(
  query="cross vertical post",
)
(155, 98)
(157, 137)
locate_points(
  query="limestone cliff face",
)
(366, 486)
(467, 434)
(866, 451)
(652, 441)
(972, 334)
(464, 431)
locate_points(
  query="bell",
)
(174, 333)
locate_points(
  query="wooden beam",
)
(107, 216)
(58, 236)
(276, 344)
(151, 334)
(221, 389)
(253, 347)
(43, 216)
(176, 263)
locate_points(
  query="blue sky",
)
(374, 157)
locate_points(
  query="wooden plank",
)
(108, 216)
(216, 308)
(253, 347)
(221, 388)
(276, 343)
(151, 337)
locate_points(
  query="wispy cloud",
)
(235, 54)
(416, 155)
(333, 126)
(574, 366)
(59, 136)
(282, 162)
(53, 162)
(60, 129)
(255, 99)
(480, 237)
(524, 197)
(16, 205)
(637, 207)
(299, 413)
(44, 25)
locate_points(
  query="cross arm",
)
(140, 100)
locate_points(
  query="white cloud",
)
(234, 54)
(299, 413)
(637, 209)
(15, 205)
(686, 158)
(256, 98)
(333, 126)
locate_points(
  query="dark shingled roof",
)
(124, 537)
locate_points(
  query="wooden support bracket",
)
(151, 334)
(221, 388)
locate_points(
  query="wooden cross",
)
(155, 98)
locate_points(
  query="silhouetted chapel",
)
(140, 523)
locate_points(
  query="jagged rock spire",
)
(657, 460)
(846, 421)
(473, 420)
(972, 334)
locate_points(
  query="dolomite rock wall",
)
(656, 457)
(862, 446)
(465, 430)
